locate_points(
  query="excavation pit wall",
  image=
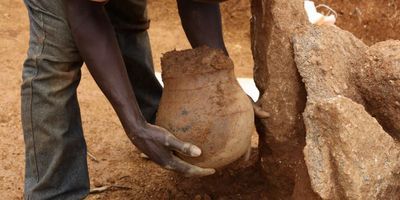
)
(301, 70)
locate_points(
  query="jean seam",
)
(36, 57)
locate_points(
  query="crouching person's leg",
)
(56, 166)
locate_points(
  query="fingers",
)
(165, 138)
(187, 169)
(160, 152)
(159, 147)
(246, 156)
(144, 156)
(259, 112)
(182, 147)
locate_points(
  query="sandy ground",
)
(117, 161)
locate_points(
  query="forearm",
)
(202, 23)
(96, 41)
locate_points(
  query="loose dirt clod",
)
(203, 104)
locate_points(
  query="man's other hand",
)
(258, 111)
(159, 144)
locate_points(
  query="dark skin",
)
(96, 41)
(202, 23)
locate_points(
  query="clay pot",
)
(203, 104)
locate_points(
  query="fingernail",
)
(212, 171)
(195, 151)
(142, 155)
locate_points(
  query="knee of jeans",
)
(51, 79)
(50, 34)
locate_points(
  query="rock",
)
(378, 80)
(325, 55)
(330, 62)
(202, 103)
(348, 154)
(282, 135)
(333, 62)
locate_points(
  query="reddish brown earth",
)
(372, 21)
(118, 162)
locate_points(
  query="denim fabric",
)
(129, 18)
(128, 14)
(56, 165)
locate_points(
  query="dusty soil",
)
(370, 20)
(118, 162)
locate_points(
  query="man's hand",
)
(98, 46)
(159, 144)
(258, 111)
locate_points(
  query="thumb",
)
(182, 147)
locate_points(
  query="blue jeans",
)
(56, 165)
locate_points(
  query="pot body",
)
(211, 111)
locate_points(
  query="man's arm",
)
(96, 41)
(202, 23)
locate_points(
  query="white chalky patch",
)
(317, 18)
